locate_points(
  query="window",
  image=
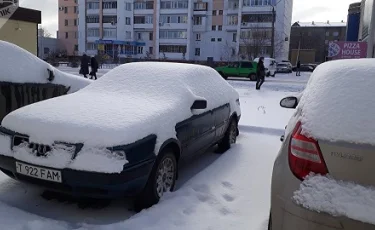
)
(91, 46)
(212, 39)
(128, 6)
(219, 39)
(220, 12)
(66, 22)
(66, 35)
(256, 34)
(197, 20)
(109, 32)
(257, 2)
(75, 22)
(173, 34)
(46, 50)
(128, 35)
(197, 37)
(214, 13)
(66, 10)
(151, 49)
(174, 5)
(232, 20)
(93, 32)
(148, 5)
(234, 37)
(110, 5)
(92, 19)
(257, 18)
(127, 21)
(151, 36)
(148, 19)
(247, 65)
(233, 5)
(220, 28)
(173, 18)
(197, 52)
(200, 6)
(110, 19)
(139, 50)
(336, 34)
(92, 5)
(139, 36)
(213, 28)
(172, 49)
(75, 9)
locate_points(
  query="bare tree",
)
(228, 52)
(43, 32)
(255, 42)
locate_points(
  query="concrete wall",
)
(23, 34)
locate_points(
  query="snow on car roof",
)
(20, 66)
(339, 101)
(128, 103)
(337, 198)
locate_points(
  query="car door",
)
(221, 115)
(245, 69)
(233, 69)
(196, 133)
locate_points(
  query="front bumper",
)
(129, 182)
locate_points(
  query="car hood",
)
(92, 119)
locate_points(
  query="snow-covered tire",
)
(162, 179)
(230, 136)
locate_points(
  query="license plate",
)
(38, 172)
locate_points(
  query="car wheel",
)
(162, 179)
(230, 136)
(253, 77)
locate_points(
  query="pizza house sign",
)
(347, 50)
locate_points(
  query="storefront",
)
(116, 48)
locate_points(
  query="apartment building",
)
(185, 29)
(67, 32)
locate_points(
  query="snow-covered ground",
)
(229, 191)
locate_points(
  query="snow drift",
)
(339, 102)
(20, 66)
(338, 198)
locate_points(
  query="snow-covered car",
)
(26, 79)
(123, 134)
(283, 68)
(325, 166)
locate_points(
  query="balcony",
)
(256, 24)
(199, 28)
(92, 11)
(174, 41)
(109, 11)
(200, 7)
(173, 25)
(144, 26)
(92, 25)
(231, 27)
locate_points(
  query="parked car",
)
(270, 65)
(245, 69)
(34, 81)
(122, 135)
(305, 68)
(286, 62)
(283, 68)
(329, 136)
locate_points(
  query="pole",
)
(299, 49)
(273, 33)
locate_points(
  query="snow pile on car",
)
(20, 66)
(127, 104)
(339, 100)
(338, 198)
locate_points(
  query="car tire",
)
(253, 77)
(158, 182)
(230, 136)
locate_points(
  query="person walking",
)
(298, 72)
(94, 68)
(261, 73)
(84, 65)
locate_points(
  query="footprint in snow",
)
(228, 197)
(227, 184)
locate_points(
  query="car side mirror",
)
(199, 104)
(289, 102)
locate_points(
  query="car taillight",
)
(305, 155)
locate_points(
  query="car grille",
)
(38, 149)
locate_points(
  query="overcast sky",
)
(303, 10)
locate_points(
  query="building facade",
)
(68, 25)
(367, 26)
(309, 40)
(354, 18)
(22, 29)
(47, 46)
(217, 30)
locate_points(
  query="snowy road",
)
(229, 191)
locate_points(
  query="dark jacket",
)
(94, 65)
(85, 64)
(261, 70)
(298, 64)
